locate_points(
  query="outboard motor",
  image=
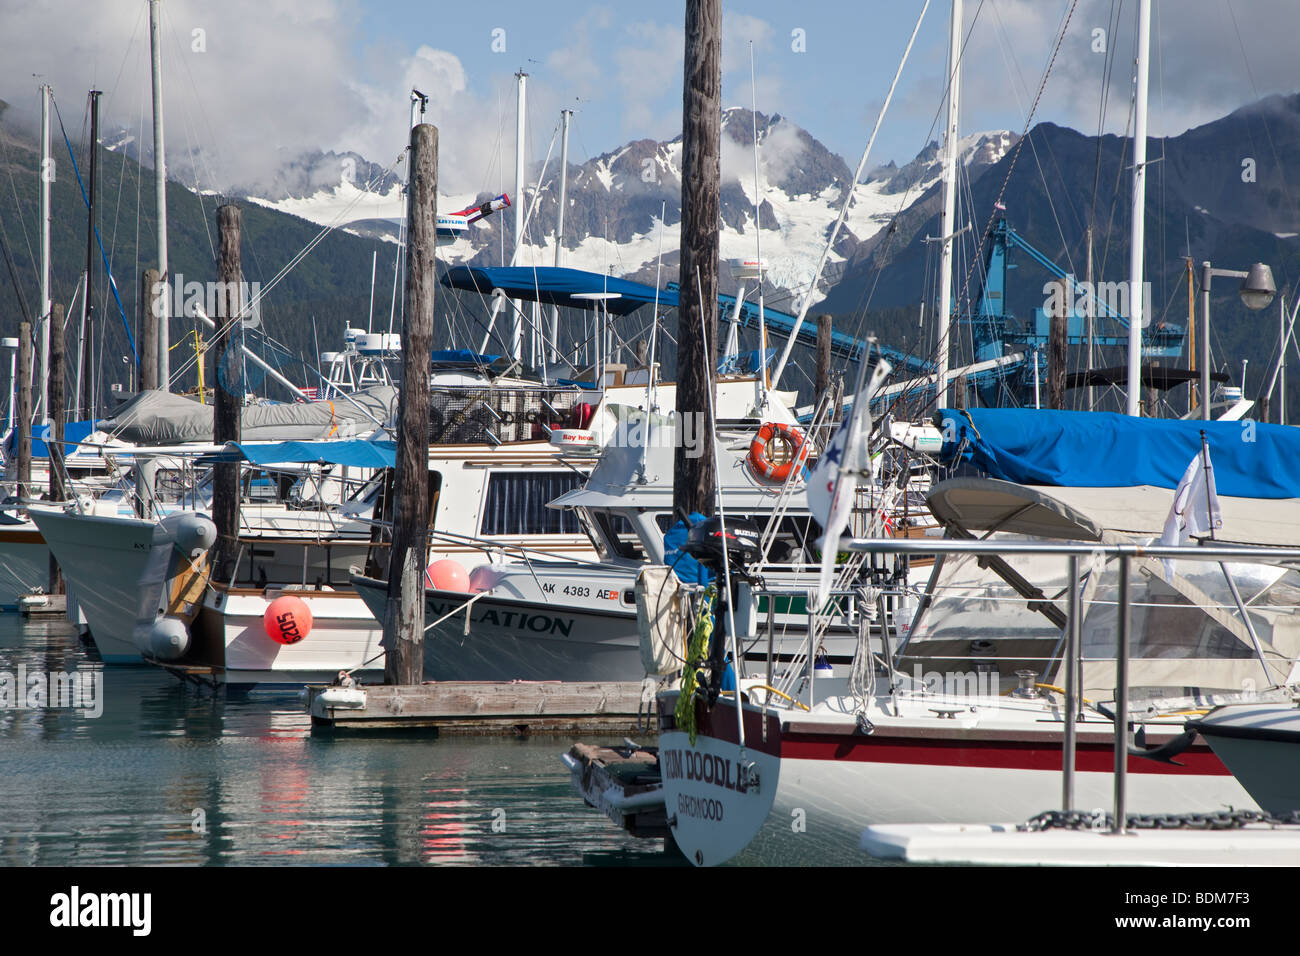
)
(707, 542)
(173, 583)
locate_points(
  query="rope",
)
(1015, 153)
(697, 648)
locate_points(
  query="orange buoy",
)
(287, 619)
(760, 458)
(447, 575)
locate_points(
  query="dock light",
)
(1258, 288)
(1257, 291)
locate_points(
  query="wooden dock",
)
(43, 605)
(473, 707)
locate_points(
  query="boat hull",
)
(229, 637)
(510, 639)
(832, 781)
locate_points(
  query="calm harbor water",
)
(169, 774)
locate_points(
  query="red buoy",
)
(447, 574)
(287, 619)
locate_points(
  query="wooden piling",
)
(822, 376)
(1056, 353)
(23, 420)
(150, 310)
(54, 440)
(697, 326)
(403, 640)
(54, 389)
(229, 389)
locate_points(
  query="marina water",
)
(171, 774)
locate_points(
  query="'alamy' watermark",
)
(685, 429)
(976, 683)
(76, 909)
(218, 300)
(1108, 298)
(24, 689)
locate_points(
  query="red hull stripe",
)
(1002, 754)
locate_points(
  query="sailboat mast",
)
(1136, 305)
(516, 324)
(162, 303)
(758, 238)
(565, 117)
(86, 399)
(47, 174)
(947, 220)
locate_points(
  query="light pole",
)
(1257, 291)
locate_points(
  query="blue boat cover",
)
(747, 363)
(73, 434)
(557, 286)
(353, 452)
(684, 566)
(463, 357)
(1109, 450)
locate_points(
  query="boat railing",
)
(1124, 553)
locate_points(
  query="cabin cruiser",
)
(548, 619)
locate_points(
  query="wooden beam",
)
(403, 640)
(1056, 352)
(697, 326)
(229, 392)
(822, 376)
(54, 441)
(150, 310)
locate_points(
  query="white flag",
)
(1195, 511)
(833, 482)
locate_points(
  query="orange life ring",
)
(762, 462)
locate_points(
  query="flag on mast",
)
(833, 482)
(1195, 511)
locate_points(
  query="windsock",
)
(475, 213)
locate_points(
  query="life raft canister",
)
(761, 461)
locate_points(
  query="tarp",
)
(73, 434)
(160, 418)
(1090, 514)
(1108, 450)
(354, 453)
(684, 566)
(557, 286)
(463, 357)
(747, 363)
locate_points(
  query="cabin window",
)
(515, 503)
(620, 533)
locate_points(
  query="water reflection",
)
(175, 774)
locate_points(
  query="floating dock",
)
(1009, 845)
(474, 707)
(43, 605)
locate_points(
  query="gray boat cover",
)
(161, 418)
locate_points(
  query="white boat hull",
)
(229, 637)
(831, 781)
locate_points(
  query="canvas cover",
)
(1108, 450)
(161, 418)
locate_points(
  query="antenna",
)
(421, 98)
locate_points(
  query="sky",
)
(250, 84)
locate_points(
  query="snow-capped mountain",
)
(622, 205)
